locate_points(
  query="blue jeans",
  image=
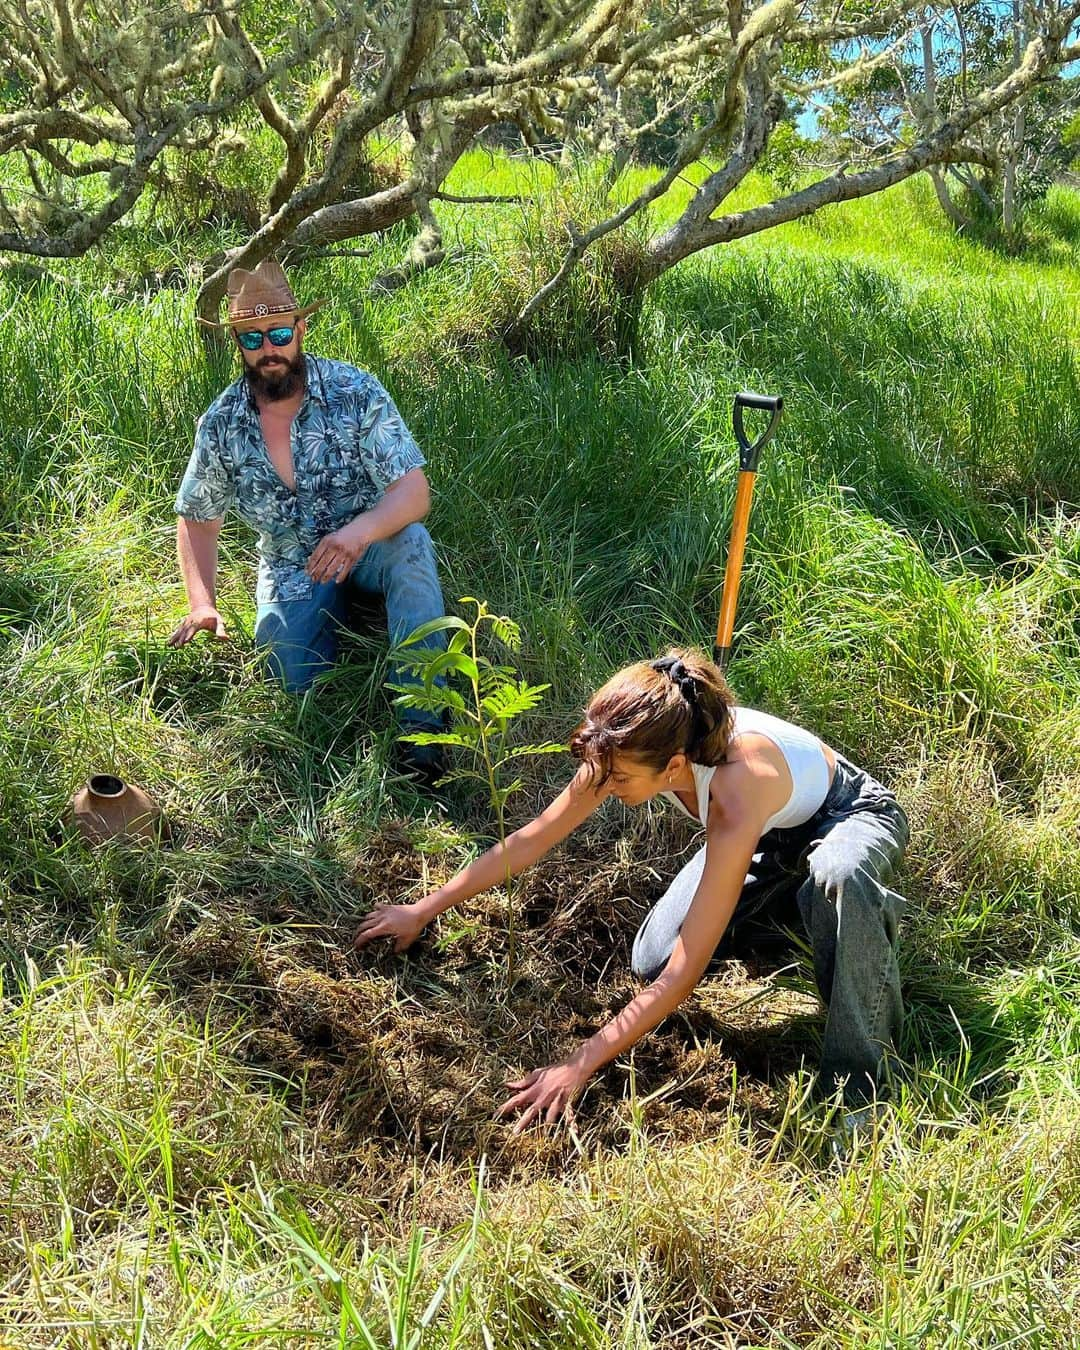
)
(301, 636)
(833, 874)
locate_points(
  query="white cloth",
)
(803, 754)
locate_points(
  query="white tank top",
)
(802, 754)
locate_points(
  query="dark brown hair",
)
(655, 709)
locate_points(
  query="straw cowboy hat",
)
(262, 294)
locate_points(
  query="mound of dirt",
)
(408, 1055)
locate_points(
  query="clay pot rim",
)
(106, 785)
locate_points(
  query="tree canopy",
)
(105, 106)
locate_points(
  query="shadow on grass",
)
(1049, 232)
(266, 794)
(1059, 214)
(22, 597)
(300, 748)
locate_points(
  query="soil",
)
(405, 1057)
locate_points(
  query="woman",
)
(784, 815)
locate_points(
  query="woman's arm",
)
(730, 845)
(404, 923)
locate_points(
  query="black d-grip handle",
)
(750, 451)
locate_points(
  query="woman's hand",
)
(549, 1092)
(403, 923)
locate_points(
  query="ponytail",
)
(678, 704)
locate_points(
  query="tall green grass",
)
(220, 1128)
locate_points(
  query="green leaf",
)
(546, 748)
(435, 700)
(436, 738)
(415, 660)
(501, 795)
(513, 699)
(506, 630)
(443, 625)
(464, 775)
(430, 662)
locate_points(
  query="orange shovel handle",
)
(744, 494)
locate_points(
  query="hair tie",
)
(675, 669)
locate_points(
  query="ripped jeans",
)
(833, 873)
(301, 636)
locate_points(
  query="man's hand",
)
(549, 1092)
(337, 554)
(206, 617)
(403, 923)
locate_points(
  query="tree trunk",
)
(930, 116)
(945, 201)
(1014, 138)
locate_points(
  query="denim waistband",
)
(852, 787)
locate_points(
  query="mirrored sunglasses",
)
(251, 339)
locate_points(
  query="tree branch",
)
(737, 168)
(426, 252)
(534, 68)
(876, 26)
(488, 199)
(691, 233)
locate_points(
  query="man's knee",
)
(409, 579)
(294, 668)
(292, 664)
(411, 548)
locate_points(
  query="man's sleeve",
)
(206, 490)
(389, 449)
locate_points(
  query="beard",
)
(273, 377)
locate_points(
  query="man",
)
(314, 455)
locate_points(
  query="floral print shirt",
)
(348, 444)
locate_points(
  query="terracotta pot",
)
(109, 808)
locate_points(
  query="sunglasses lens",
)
(251, 339)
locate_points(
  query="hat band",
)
(261, 311)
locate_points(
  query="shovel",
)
(749, 454)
